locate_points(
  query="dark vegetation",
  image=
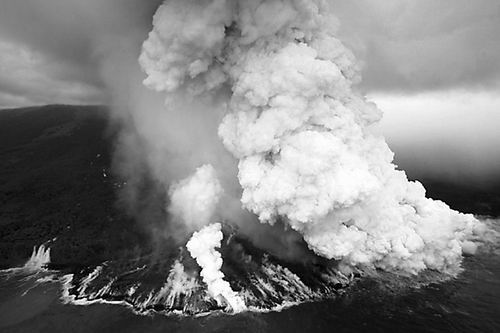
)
(56, 182)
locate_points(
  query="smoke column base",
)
(202, 247)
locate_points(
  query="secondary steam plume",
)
(202, 247)
(194, 199)
(302, 136)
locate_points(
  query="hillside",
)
(53, 162)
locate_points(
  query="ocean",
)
(467, 303)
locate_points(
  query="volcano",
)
(103, 255)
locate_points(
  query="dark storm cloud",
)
(69, 40)
(410, 45)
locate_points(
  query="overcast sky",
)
(433, 66)
(50, 50)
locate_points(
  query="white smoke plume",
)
(193, 202)
(39, 259)
(202, 247)
(302, 136)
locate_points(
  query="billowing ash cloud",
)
(61, 51)
(280, 83)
